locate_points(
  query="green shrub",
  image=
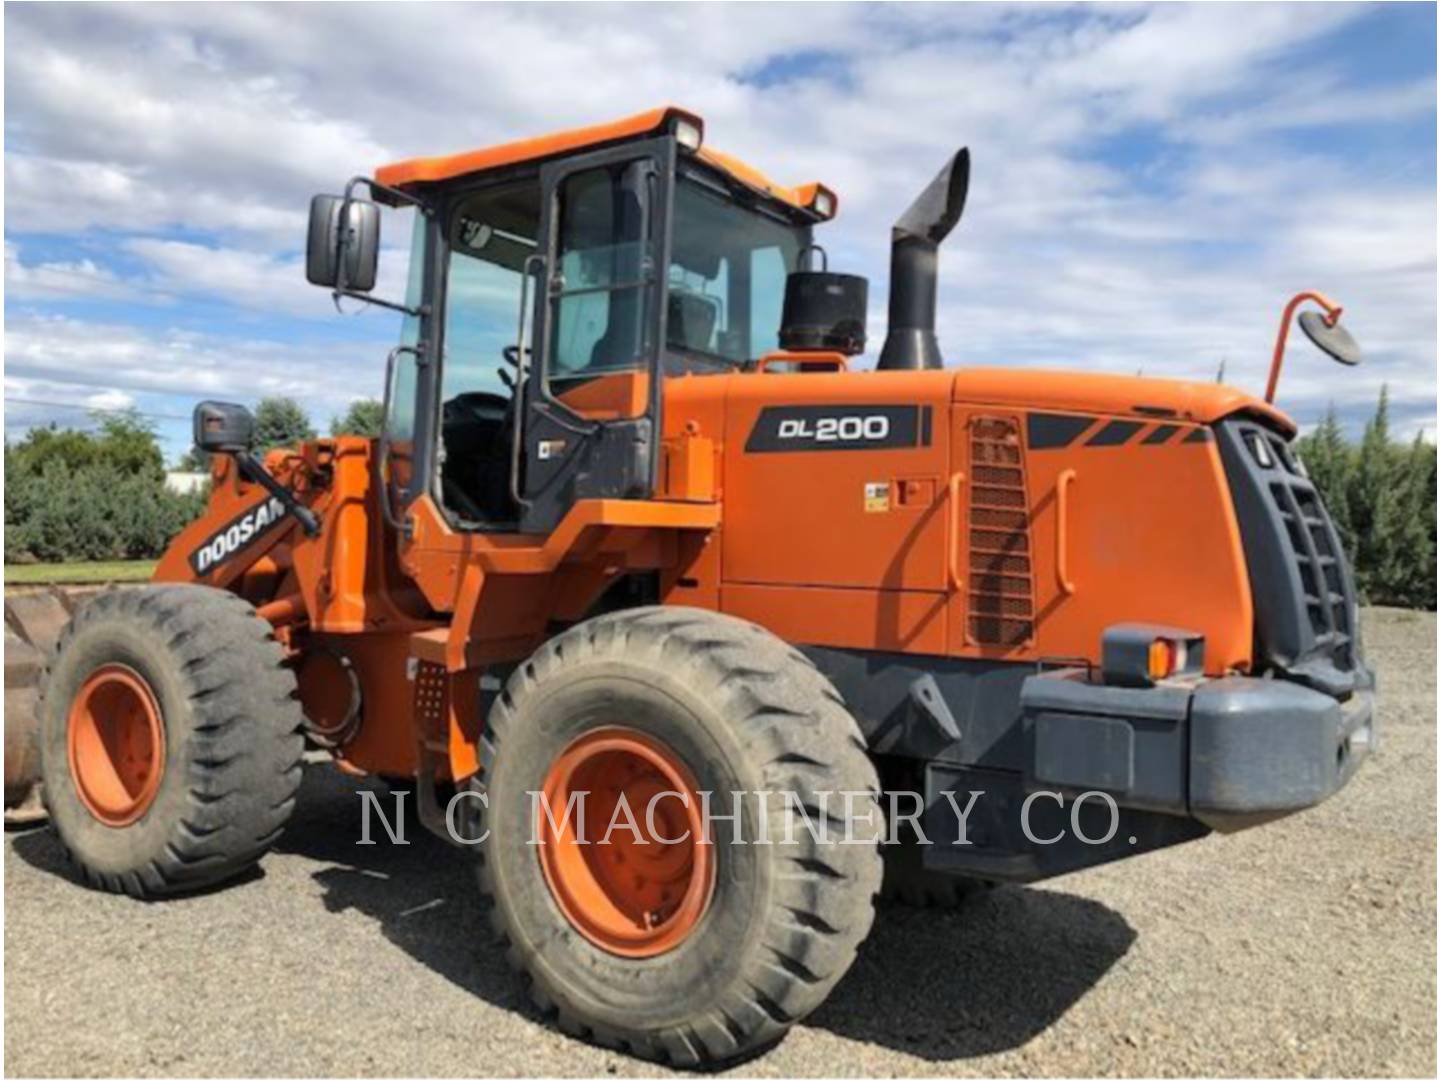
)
(81, 496)
(280, 421)
(364, 417)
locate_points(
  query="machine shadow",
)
(988, 977)
(38, 846)
(422, 894)
(940, 985)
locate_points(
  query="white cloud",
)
(61, 280)
(86, 358)
(53, 195)
(254, 280)
(200, 158)
(1173, 54)
(1321, 103)
(31, 402)
(110, 400)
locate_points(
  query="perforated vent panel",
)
(1001, 592)
(432, 692)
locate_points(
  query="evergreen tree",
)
(124, 442)
(1381, 497)
(1412, 572)
(364, 417)
(1375, 506)
(280, 421)
(1330, 462)
(128, 442)
(193, 460)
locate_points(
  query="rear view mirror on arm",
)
(223, 428)
(344, 255)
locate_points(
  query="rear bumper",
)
(1230, 752)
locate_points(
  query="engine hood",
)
(1203, 403)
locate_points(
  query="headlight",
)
(687, 134)
(1260, 450)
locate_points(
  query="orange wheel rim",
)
(630, 898)
(116, 744)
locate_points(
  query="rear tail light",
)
(1167, 656)
(1139, 654)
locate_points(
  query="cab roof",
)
(406, 174)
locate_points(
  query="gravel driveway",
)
(1306, 947)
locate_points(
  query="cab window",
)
(490, 235)
(727, 275)
(599, 311)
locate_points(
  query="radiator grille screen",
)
(1001, 593)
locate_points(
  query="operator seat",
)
(475, 475)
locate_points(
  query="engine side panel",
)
(883, 511)
(837, 481)
(1143, 531)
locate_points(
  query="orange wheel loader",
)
(637, 532)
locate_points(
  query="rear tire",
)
(738, 710)
(907, 881)
(193, 682)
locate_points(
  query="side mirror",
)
(223, 428)
(1330, 338)
(342, 255)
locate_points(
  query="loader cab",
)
(550, 296)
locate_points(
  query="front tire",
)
(170, 739)
(685, 700)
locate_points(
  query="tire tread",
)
(245, 722)
(803, 739)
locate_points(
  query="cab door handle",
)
(952, 553)
(1062, 514)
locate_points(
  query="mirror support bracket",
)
(403, 309)
(393, 195)
(382, 448)
(1332, 316)
(256, 472)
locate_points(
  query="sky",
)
(1149, 184)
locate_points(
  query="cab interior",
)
(730, 253)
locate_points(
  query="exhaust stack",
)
(915, 242)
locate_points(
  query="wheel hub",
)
(633, 895)
(116, 744)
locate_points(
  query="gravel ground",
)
(1304, 947)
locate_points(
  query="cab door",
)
(591, 417)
